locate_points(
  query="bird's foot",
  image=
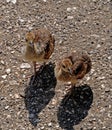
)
(69, 93)
(37, 67)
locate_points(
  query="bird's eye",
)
(26, 40)
(63, 66)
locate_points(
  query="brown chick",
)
(39, 46)
(73, 68)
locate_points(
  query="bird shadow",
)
(40, 91)
(72, 110)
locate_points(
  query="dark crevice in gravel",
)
(76, 107)
(40, 91)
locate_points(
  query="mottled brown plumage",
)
(39, 46)
(73, 68)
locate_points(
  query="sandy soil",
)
(77, 25)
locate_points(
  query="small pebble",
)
(12, 52)
(42, 128)
(87, 78)
(4, 76)
(103, 86)
(16, 96)
(13, 1)
(107, 89)
(6, 108)
(109, 115)
(74, 8)
(24, 76)
(54, 101)
(8, 71)
(98, 46)
(110, 106)
(2, 62)
(50, 124)
(1, 98)
(21, 20)
(69, 9)
(13, 82)
(109, 57)
(95, 35)
(25, 66)
(45, 0)
(69, 17)
(8, 116)
(101, 78)
(8, 0)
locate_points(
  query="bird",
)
(39, 46)
(73, 68)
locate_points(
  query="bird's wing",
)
(49, 47)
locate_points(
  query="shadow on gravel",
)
(75, 108)
(40, 91)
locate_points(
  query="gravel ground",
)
(76, 24)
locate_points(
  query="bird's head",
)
(30, 36)
(66, 65)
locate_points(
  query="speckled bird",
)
(73, 68)
(39, 46)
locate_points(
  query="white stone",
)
(110, 106)
(8, 71)
(87, 78)
(2, 62)
(95, 35)
(16, 96)
(30, 28)
(21, 20)
(74, 8)
(98, 46)
(69, 9)
(12, 52)
(54, 101)
(4, 76)
(8, 0)
(6, 107)
(25, 66)
(13, 82)
(24, 76)
(109, 57)
(8, 116)
(92, 71)
(13, 1)
(50, 124)
(45, 0)
(103, 86)
(101, 78)
(42, 128)
(69, 17)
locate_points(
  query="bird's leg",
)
(34, 65)
(34, 69)
(41, 68)
(69, 92)
(68, 86)
(44, 64)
